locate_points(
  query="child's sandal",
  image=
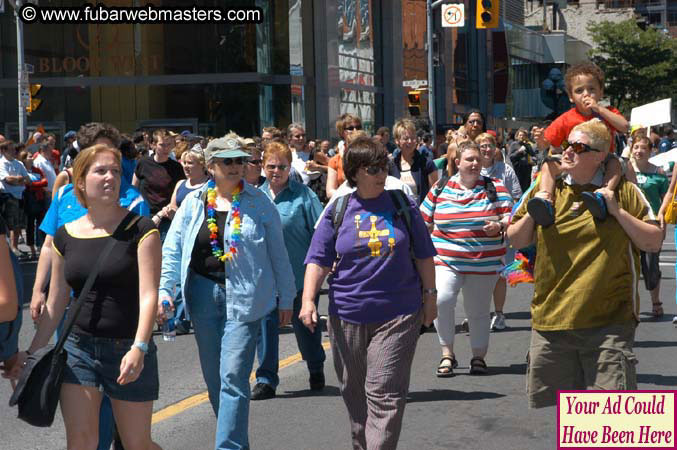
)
(596, 204)
(541, 211)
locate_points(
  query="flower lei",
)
(217, 251)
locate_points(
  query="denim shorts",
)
(95, 362)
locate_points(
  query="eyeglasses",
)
(486, 146)
(375, 170)
(255, 161)
(477, 121)
(276, 166)
(230, 161)
(353, 127)
(579, 147)
(299, 136)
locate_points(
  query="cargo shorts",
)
(591, 358)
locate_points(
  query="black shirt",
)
(111, 309)
(157, 181)
(202, 260)
(3, 226)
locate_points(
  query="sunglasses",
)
(375, 170)
(353, 128)
(231, 161)
(276, 166)
(579, 147)
(255, 161)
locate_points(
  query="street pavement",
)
(469, 412)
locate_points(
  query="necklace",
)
(217, 251)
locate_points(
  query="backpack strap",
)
(491, 189)
(339, 211)
(403, 210)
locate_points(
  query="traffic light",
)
(487, 14)
(33, 103)
(414, 103)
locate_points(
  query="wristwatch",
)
(432, 291)
(143, 346)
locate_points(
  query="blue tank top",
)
(183, 190)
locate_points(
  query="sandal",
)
(596, 204)
(447, 370)
(478, 366)
(541, 211)
(657, 309)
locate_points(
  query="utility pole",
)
(22, 76)
(430, 7)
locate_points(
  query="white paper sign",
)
(453, 15)
(652, 114)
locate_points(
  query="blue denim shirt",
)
(299, 209)
(260, 271)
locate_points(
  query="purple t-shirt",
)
(375, 279)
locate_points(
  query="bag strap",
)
(126, 222)
(439, 187)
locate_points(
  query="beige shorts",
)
(592, 358)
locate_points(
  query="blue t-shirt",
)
(128, 168)
(65, 207)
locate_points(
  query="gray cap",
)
(224, 148)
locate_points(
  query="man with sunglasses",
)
(586, 303)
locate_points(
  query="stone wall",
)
(575, 18)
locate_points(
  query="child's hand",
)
(610, 198)
(591, 104)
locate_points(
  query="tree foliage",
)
(640, 65)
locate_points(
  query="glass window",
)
(357, 60)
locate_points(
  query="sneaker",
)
(498, 322)
(316, 381)
(465, 327)
(262, 391)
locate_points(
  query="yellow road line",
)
(198, 399)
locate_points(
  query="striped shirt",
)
(458, 216)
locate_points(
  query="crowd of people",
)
(238, 234)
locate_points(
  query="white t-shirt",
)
(41, 163)
(12, 168)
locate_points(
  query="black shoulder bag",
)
(39, 386)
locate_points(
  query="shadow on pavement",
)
(655, 344)
(657, 379)
(440, 395)
(328, 391)
(512, 369)
(519, 315)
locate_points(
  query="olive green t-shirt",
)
(586, 272)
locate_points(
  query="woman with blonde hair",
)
(110, 349)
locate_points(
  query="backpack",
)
(398, 198)
(442, 182)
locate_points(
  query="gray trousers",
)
(373, 364)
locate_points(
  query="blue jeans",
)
(268, 350)
(309, 343)
(267, 346)
(226, 349)
(106, 419)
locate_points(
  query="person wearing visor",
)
(225, 248)
(586, 303)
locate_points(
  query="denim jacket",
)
(259, 272)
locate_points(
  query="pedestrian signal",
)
(487, 14)
(414, 103)
(33, 103)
